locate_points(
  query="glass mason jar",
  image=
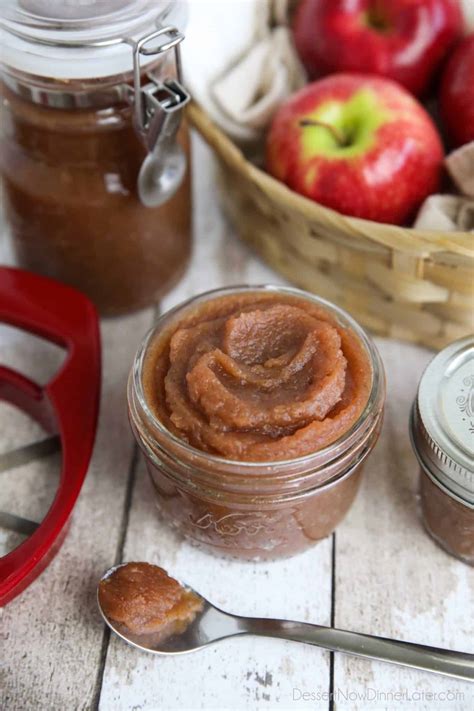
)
(442, 425)
(254, 510)
(93, 152)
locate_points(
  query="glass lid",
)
(80, 39)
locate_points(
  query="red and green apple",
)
(404, 40)
(361, 145)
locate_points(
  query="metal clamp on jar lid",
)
(158, 108)
(74, 43)
(442, 422)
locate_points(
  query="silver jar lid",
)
(442, 427)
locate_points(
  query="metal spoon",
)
(212, 625)
(163, 170)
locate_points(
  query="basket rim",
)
(404, 239)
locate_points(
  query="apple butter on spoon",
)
(143, 600)
(154, 612)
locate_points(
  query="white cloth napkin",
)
(452, 212)
(257, 65)
(460, 166)
(446, 213)
(247, 95)
(468, 9)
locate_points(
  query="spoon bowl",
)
(160, 177)
(209, 625)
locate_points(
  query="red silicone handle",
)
(68, 404)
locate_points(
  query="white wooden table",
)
(379, 573)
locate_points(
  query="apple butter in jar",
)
(94, 152)
(442, 432)
(256, 408)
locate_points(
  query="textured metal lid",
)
(443, 419)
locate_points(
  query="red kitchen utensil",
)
(66, 406)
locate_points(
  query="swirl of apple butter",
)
(256, 378)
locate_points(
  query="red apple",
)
(457, 94)
(404, 40)
(359, 144)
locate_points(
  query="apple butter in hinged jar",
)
(442, 431)
(94, 151)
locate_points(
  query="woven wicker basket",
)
(398, 282)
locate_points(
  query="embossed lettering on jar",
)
(256, 409)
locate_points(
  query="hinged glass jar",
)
(94, 153)
(442, 432)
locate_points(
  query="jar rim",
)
(377, 386)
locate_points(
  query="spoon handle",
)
(417, 656)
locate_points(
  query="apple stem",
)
(338, 135)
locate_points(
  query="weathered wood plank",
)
(236, 674)
(51, 639)
(391, 579)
